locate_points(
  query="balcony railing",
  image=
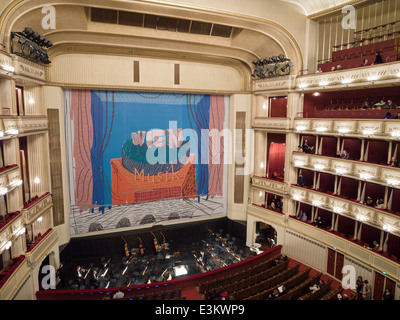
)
(388, 129)
(11, 126)
(42, 245)
(359, 170)
(34, 209)
(378, 218)
(272, 185)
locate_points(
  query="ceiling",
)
(312, 7)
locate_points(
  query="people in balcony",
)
(397, 116)
(388, 115)
(375, 245)
(301, 181)
(304, 217)
(345, 155)
(307, 148)
(364, 63)
(366, 105)
(369, 202)
(379, 204)
(393, 162)
(378, 58)
(390, 104)
(381, 104)
(320, 223)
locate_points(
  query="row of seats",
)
(301, 288)
(214, 284)
(253, 280)
(255, 289)
(316, 295)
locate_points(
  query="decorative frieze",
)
(37, 208)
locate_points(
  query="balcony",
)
(274, 186)
(11, 126)
(383, 74)
(375, 217)
(283, 124)
(36, 208)
(11, 279)
(359, 170)
(41, 246)
(373, 129)
(367, 256)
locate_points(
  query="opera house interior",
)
(263, 166)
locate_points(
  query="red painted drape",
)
(276, 158)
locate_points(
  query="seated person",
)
(393, 162)
(314, 288)
(280, 204)
(304, 217)
(397, 116)
(390, 104)
(369, 202)
(364, 63)
(301, 181)
(388, 115)
(366, 105)
(307, 148)
(320, 223)
(273, 206)
(379, 204)
(345, 155)
(380, 105)
(338, 154)
(375, 245)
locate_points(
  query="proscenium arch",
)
(266, 31)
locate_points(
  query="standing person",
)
(367, 294)
(378, 58)
(94, 279)
(78, 276)
(119, 294)
(359, 287)
(60, 272)
(387, 295)
(301, 181)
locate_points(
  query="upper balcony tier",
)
(387, 74)
(20, 69)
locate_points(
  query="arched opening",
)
(266, 235)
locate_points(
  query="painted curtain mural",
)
(142, 158)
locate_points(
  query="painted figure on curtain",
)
(132, 148)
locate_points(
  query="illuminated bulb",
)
(37, 180)
(264, 106)
(323, 83)
(316, 94)
(343, 130)
(3, 191)
(344, 81)
(262, 165)
(22, 231)
(321, 129)
(40, 219)
(396, 134)
(303, 85)
(386, 227)
(316, 203)
(368, 132)
(319, 166)
(393, 182)
(8, 245)
(372, 78)
(299, 163)
(340, 171)
(301, 128)
(31, 101)
(365, 176)
(12, 131)
(296, 197)
(337, 210)
(1, 134)
(360, 218)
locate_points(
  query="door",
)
(339, 265)
(331, 262)
(379, 284)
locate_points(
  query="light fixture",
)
(316, 94)
(36, 180)
(337, 210)
(260, 193)
(298, 163)
(1, 134)
(301, 128)
(393, 182)
(31, 101)
(372, 78)
(341, 171)
(323, 83)
(321, 129)
(396, 134)
(8, 68)
(319, 166)
(343, 130)
(316, 203)
(368, 132)
(40, 219)
(262, 165)
(387, 227)
(12, 131)
(296, 197)
(303, 85)
(16, 183)
(365, 176)
(264, 106)
(344, 81)
(361, 217)
(3, 191)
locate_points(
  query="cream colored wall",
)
(240, 103)
(117, 71)
(53, 99)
